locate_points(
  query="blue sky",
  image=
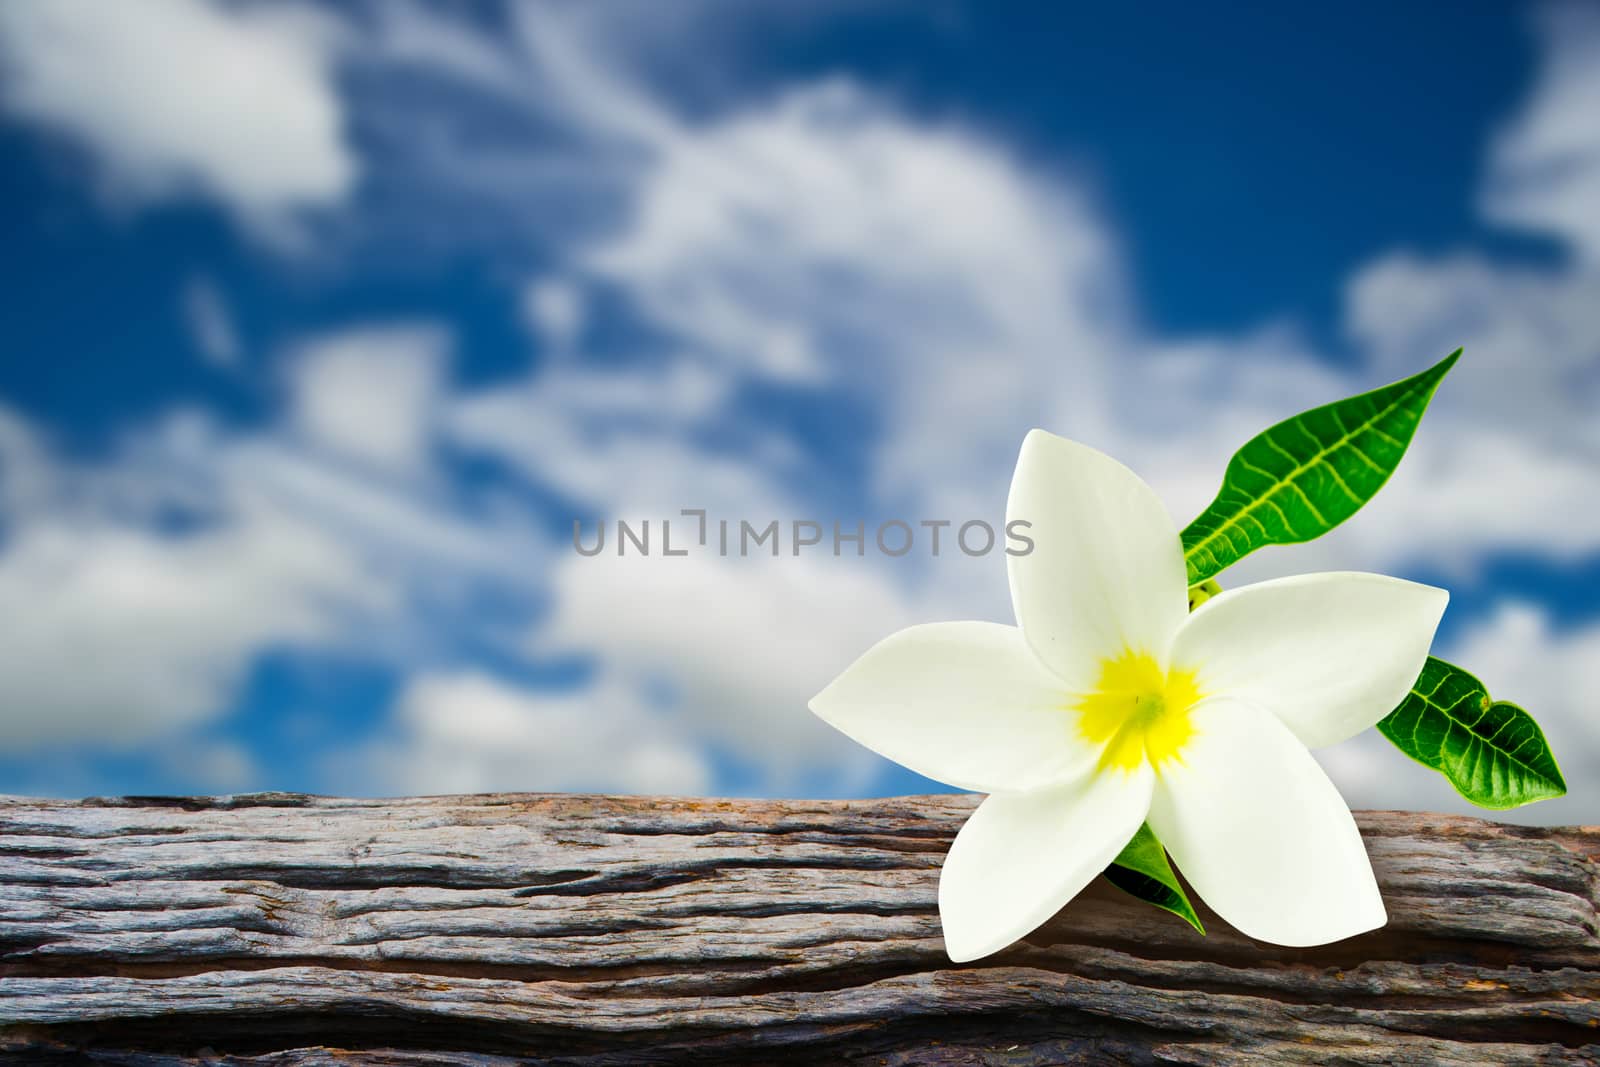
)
(316, 342)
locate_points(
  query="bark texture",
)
(587, 930)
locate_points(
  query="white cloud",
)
(469, 732)
(1532, 338)
(172, 565)
(824, 240)
(1545, 168)
(736, 647)
(369, 394)
(237, 102)
(819, 245)
(823, 244)
(211, 766)
(820, 240)
(801, 244)
(609, 436)
(554, 311)
(117, 633)
(210, 323)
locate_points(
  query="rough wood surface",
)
(286, 930)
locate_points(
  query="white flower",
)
(1110, 704)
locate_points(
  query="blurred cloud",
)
(236, 102)
(368, 394)
(1544, 170)
(216, 766)
(822, 240)
(814, 247)
(206, 315)
(1530, 333)
(554, 311)
(192, 550)
(471, 733)
(732, 646)
(118, 630)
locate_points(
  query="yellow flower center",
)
(1138, 711)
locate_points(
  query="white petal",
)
(1023, 855)
(1106, 572)
(1329, 654)
(963, 702)
(1261, 833)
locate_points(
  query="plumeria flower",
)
(1110, 704)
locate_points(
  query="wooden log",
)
(589, 930)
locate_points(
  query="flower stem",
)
(1199, 594)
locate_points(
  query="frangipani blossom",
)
(1110, 704)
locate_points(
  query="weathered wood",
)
(274, 929)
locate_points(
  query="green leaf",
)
(1492, 752)
(1307, 474)
(1142, 870)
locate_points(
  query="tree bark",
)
(589, 930)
